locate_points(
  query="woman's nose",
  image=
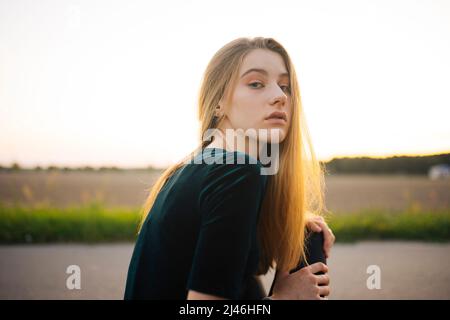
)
(279, 97)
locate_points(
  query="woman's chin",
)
(273, 135)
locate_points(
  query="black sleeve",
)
(229, 204)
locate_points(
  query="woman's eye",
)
(287, 88)
(253, 84)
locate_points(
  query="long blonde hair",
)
(295, 191)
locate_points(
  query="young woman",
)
(215, 221)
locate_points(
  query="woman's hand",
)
(303, 284)
(317, 223)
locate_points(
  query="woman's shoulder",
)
(220, 156)
(235, 181)
(225, 167)
(221, 161)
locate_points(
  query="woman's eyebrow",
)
(264, 72)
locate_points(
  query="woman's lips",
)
(276, 121)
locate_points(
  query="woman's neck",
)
(227, 142)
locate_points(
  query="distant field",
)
(344, 193)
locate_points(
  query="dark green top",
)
(201, 231)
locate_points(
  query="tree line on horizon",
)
(344, 165)
(391, 165)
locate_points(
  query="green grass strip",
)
(90, 223)
(376, 224)
(96, 223)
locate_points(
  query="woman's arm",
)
(195, 295)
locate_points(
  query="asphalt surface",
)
(407, 270)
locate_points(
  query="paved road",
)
(409, 270)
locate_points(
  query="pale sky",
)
(115, 82)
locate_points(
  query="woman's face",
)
(259, 93)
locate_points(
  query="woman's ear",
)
(218, 111)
